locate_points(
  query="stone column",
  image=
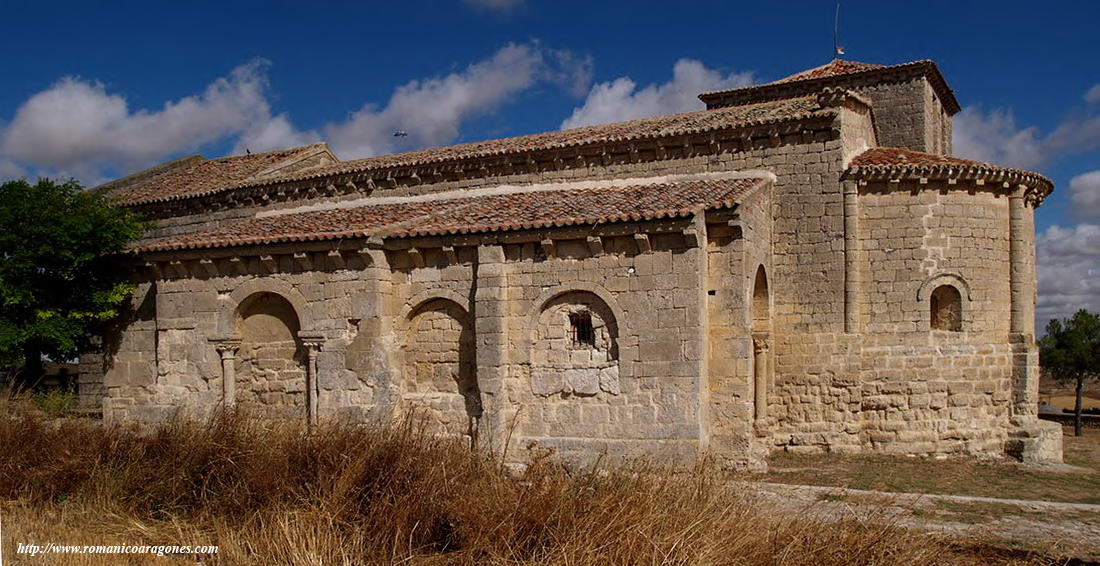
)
(851, 257)
(697, 349)
(1021, 234)
(491, 329)
(227, 349)
(313, 343)
(761, 344)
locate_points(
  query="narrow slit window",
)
(583, 332)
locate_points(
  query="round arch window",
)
(945, 304)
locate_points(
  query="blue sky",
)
(87, 83)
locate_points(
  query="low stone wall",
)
(1066, 419)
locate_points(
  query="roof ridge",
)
(874, 67)
(185, 161)
(833, 62)
(791, 109)
(289, 151)
(505, 190)
(634, 121)
(781, 89)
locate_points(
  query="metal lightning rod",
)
(838, 49)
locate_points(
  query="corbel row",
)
(743, 137)
(263, 264)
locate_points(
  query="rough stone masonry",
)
(802, 266)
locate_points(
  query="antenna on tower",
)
(838, 49)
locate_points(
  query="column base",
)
(1034, 441)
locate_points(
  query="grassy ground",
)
(953, 476)
(343, 494)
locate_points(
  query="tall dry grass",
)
(349, 494)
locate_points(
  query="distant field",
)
(1068, 402)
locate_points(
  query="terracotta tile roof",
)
(647, 128)
(831, 69)
(519, 210)
(900, 163)
(834, 73)
(196, 175)
(890, 156)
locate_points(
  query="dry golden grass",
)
(349, 494)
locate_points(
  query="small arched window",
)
(945, 304)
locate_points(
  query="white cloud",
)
(496, 5)
(995, 137)
(276, 132)
(621, 100)
(1093, 95)
(1069, 272)
(10, 170)
(77, 128)
(433, 110)
(1084, 192)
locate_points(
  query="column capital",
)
(312, 340)
(226, 344)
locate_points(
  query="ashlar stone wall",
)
(270, 365)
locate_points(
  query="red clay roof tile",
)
(833, 68)
(646, 128)
(485, 213)
(195, 175)
(897, 163)
(902, 156)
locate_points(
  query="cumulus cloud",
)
(994, 136)
(432, 110)
(621, 99)
(76, 127)
(1084, 191)
(10, 170)
(1069, 271)
(1093, 95)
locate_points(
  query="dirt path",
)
(1029, 503)
(1053, 528)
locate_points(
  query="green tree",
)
(1070, 352)
(58, 280)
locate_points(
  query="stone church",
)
(802, 266)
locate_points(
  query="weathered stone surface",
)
(800, 320)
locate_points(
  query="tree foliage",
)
(58, 280)
(1070, 352)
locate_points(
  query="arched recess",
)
(947, 300)
(538, 306)
(761, 302)
(945, 309)
(417, 302)
(574, 346)
(227, 316)
(761, 342)
(439, 376)
(939, 279)
(271, 372)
